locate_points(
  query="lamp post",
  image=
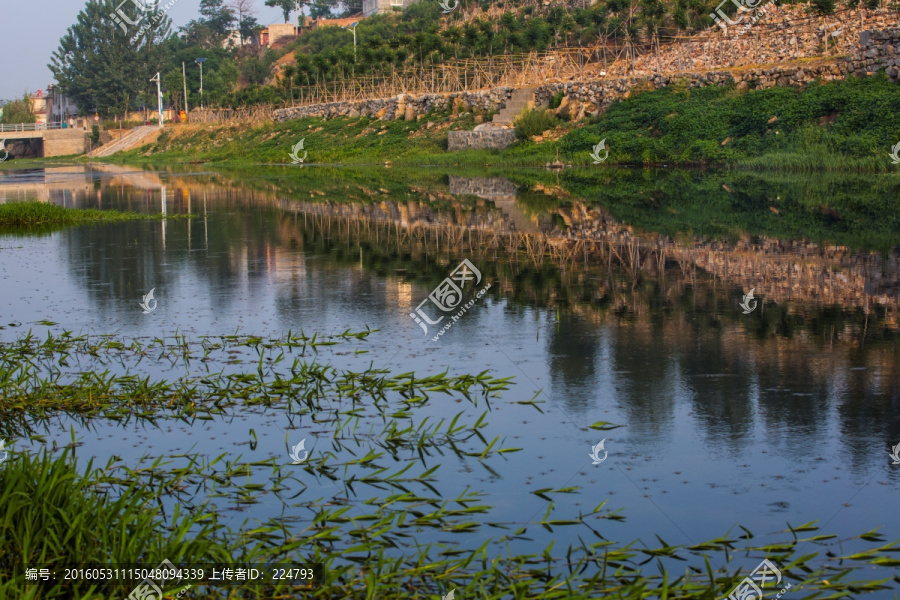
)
(159, 102)
(352, 28)
(200, 62)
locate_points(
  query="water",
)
(613, 298)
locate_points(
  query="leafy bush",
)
(18, 111)
(556, 99)
(534, 122)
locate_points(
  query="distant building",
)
(60, 107)
(50, 106)
(314, 23)
(273, 33)
(377, 7)
(234, 40)
(39, 106)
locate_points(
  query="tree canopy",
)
(107, 57)
(286, 7)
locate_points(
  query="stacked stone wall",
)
(876, 50)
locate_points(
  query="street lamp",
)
(352, 27)
(200, 62)
(159, 102)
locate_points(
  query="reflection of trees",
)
(665, 326)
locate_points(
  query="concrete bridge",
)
(42, 140)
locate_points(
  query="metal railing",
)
(30, 127)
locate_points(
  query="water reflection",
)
(604, 315)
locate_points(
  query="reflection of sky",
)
(718, 429)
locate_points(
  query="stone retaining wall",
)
(876, 50)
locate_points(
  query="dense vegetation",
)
(105, 66)
(18, 111)
(845, 125)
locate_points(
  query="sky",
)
(31, 31)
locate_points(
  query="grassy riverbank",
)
(846, 125)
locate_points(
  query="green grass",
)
(32, 214)
(846, 125)
(52, 516)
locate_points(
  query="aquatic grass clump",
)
(53, 517)
(33, 214)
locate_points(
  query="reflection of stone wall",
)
(778, 270)
(484, 187)
(803, 271)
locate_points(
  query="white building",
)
(376, 7)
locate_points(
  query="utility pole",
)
(159, 99)
(352, 28)
(184, 79)
(200, 62)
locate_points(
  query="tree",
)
(214, 24)
(217, 16)
(285, 5)
(101, 60)
(250, 28)
(823, 7)
(245, 17)
(323, 9)
(18, 111)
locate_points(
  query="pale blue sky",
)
(31, 31)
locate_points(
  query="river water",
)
(614, 298)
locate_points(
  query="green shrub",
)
(18, 111)
(556, 99)
(95, 134)
(534, 122)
